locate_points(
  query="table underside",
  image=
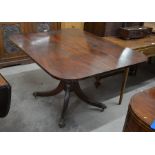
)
(68, 86)
(73, 85)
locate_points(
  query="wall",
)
(78, 25)
(150, 24)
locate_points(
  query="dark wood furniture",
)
(9, 53)
(107, 28)
(71, 55)
(5, 96)
(145, 45)
(134, 32)
(141, 112)
(102, 28)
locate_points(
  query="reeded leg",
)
(81, 95)
(57, 90)
(65, 106)
(125, 76)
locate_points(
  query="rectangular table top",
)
(75, 54)
(148, 41)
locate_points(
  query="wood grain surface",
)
(141, 111)
(75, 54)
(143, 105)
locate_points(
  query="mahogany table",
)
(144, 45)
(70, 55)
(141, 112)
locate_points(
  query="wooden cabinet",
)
(9, 53)
(45, 26)
(107, 28)
(102, 28)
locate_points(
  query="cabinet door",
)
(97, 28)
(102, 28)
(45, 26)
(10, 54)
(7, 48)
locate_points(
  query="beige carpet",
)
(42, 114)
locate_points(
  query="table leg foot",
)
(61, 123)
(83, 97)
(57, 90)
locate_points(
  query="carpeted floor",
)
(42, 114)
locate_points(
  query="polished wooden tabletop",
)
(75, 54)
(147, 41)
(143, 105)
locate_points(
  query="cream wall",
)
(78, 25)
(150, 24)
